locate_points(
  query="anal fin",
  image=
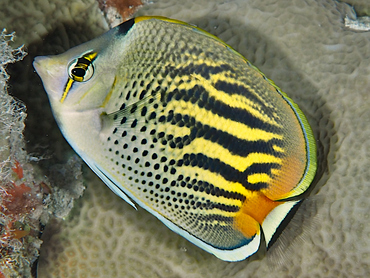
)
(111, 184)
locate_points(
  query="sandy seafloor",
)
(305, 48)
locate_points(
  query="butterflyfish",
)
(174, 120)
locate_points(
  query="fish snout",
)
(41, 65)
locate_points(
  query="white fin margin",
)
(110, 184)
(237, 254)
(234, 255)
(274, 219)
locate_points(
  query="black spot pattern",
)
(152, 145)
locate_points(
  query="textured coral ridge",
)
(304, 47)
(362, 7)
(26, 198)
(21, 197)
(33, 20)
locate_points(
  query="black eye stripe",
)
(83, 60)
(81, 69)
(81, 66)
(79, 72)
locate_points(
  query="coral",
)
(117, 11)
(26, 197)
(305, 48)
(362, 7)
(358, 24)
(67, 185)
(21, 209)
(21, 197)
(32, 20)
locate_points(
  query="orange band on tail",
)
(252, 213)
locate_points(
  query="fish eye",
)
(80, 69)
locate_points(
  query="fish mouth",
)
(51, 74)
(40, 65)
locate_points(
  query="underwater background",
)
(309, 51)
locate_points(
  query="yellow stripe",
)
(176, 131)
(142, 18)
(215, 151)
(263, 158)
(236, 101)
(259, 177)
(90, 56)
(278, 149)
(219, 77)
(87, 92)
(66, 90)
(233, 100)
(275, 172)
(218, 181)
(206, 117)
(253, 74)
(107, 98)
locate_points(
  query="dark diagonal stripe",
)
(262, 168)
(227, 208)
(235, 145)
(228, 172)
(211, 205)
(205, 186)
(199, 96)
(224, 86)
(202, 69)
(214, 217)
(232, 88)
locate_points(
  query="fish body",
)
(173, 119)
